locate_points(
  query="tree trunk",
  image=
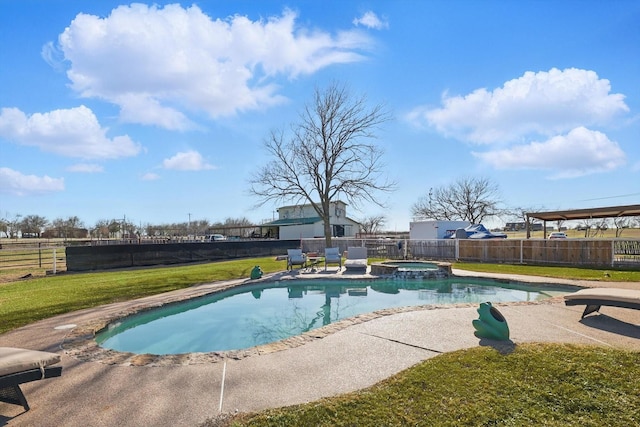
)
(327, 232)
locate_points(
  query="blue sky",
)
(157, 112)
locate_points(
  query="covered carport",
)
(576, 214)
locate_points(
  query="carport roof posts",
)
(606, 212)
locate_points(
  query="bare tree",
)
(588, 225)
(621, 222)
(129, 229)
(4, 226)
(467, 199)
(520, 213)
(114, 228)
(33, 225)
(13, 226)
(200, 226)
(326, 157)
(100, 229)
(601, 226)
(238, 227)
(372, 224)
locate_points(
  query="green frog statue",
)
(256, 273)
(491, 324)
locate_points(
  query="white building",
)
(302, 221)
(428, 230)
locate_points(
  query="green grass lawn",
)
(536, 384)
(575, 273)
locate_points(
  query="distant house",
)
(522, 226)
(515, 226)
(302, 221)
(72, 232)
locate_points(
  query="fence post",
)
(457, 249)
(521, 250)
(613, 253)
(54, 260)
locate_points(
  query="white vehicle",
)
(558, 235)
(214, 237)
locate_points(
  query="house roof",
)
(309, 204)
(606, 212)
(294, 221)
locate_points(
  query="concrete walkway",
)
(92, 393)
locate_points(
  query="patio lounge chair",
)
(332, 256)
(594, 298)
(356, 258)
(295, 257)
(18, 366)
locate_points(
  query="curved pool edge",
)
(80, 342)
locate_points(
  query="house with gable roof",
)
(302, 221)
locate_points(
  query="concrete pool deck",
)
(348, 358)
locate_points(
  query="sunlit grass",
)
(575, 273)
(536, 384)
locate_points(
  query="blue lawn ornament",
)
(491, 323)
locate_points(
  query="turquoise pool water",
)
(248, 316)
(407, 265)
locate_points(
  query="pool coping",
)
(81, 344)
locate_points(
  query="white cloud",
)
(187, 161)
(145, 110)
(556, 107)
(150, 176)
(157, 63)
(370, 20)
(53, 56)
(580, 152)
(73, 132)
(16, 183)
(86, 168)
(543, 103)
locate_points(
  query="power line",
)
(610, 197)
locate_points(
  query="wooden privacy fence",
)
(556, 252)
(579, 252)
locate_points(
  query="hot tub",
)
(412, 269)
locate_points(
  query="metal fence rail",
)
(27, 255)
(626, 252)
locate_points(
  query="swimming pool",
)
(248, 316)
